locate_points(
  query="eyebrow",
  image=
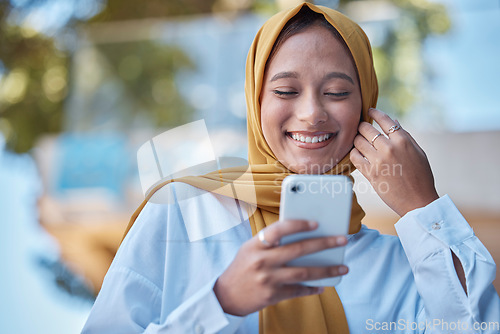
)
(295, 75)
(338, 75)
(282, 75)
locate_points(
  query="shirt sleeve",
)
(201, 313)
(429, 235)
(132, 305)
(147, 288)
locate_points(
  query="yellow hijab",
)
(260, 183)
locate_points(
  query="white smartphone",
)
(326, 199)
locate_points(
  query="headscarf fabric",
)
(259, 183)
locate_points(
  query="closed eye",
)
(343, 94)
(284, 93)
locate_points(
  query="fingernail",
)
(313, 224)
(341, 240)
(342, 270)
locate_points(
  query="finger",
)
(364, 147)
(261, 235)
(288, 275)
(284, 254)
(278, 230)
(359, 161)
(298, 290)
(402, 130)
(381, 118)
(372, 136)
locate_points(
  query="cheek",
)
(351, 120)
(357, 110)
(272, 119)
(353, 123)
(352, 131)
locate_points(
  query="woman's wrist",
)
(224, 299)
(417, 204)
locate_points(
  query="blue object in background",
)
(92, 161)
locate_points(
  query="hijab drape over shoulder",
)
(260, 182)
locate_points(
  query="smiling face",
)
(310, 102)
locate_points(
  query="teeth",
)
(313, 140)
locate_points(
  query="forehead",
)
(315, 47)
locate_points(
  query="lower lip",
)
(311, 146)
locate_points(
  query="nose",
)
(311, 110)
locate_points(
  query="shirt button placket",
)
(437, 226)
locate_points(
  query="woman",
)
(200, 264)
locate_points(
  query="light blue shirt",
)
(161, 280)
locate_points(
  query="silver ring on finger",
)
(375, 138)
(262, 239)
(393, 128)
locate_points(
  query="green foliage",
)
(122, 10)
(34, 73)
(32, 87)
(398, 59)
(147, 72)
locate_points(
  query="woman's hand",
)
(396, 167)
(258, 276)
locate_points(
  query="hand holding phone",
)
(326, 199)
(265, 273)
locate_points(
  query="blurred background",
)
(84, 83)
